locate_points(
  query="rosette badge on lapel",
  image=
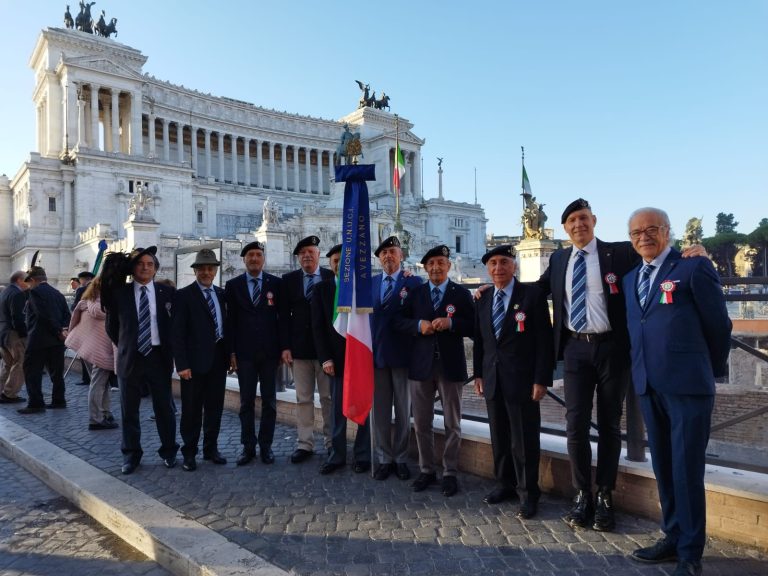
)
(450, 310)
(612, 280)
(667, 287)
(520, 319)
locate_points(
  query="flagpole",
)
(522, 185)
(475, 185)
(398, 225)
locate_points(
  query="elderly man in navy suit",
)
(201, 358)
(680, 340)
(439, 315)
(139, 324)
(513, 360)
(391, 357)
(252, 300)
(13, 338)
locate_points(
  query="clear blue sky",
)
(627, 104)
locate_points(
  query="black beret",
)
(137, 253)
(86, 274)
(388, 243)
(308, 241)
(333, 250)
(579, 204)
(503, 250)
(255, 245)
(441, 250)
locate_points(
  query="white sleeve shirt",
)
(597, 307)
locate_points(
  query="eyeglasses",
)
(651, 232)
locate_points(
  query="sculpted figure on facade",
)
(69, 22)
(270, 212)
(83, 22)
(139, 205)
(349, 146)
(693, 233)
(534, 218)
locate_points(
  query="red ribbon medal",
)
(450, 310)
(667, 287)
(270, 299)
(520, 319)
(612, 280)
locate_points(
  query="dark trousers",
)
(35, 361)
(678, 432)
(202, 402)
(362, 446)
(515, 428)
(86, 376)
(251, 374)
(602, 368)
(152, 371)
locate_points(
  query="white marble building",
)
(105, 129)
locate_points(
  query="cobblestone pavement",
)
(349, 524)
(42, 533)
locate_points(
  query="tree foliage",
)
(722, 248)
(725, 223)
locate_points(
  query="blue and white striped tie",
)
(212, 308)
(435, 298)
(498, 313)
(256, 296)
(579, 293)
(644, 286)
(388, 290)
(145, 322)
(310, 285)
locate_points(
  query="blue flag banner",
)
(355, 265)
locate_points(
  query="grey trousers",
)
(305, 374)
(12, 373)
(391, 388)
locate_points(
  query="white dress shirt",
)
(597, 307)
(152, 309)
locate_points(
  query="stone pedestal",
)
(276, 244)
(141, 233)
(533, 258)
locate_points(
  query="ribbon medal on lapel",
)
(450, 310)
(168, 308)
(667, 287)
(270, 299)
(612, 280)
(403, 295)
(520, 319)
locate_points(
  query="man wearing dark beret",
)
(391, 357)
(438, 315)
(299, 346)
(590, 336)
(139, 324)
(513, 367)
(253, 300)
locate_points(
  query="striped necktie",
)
(498, 313)
(435, 298)
(579, 293)
(388, 290)
(310, 286)
(212, 309)
(644, 286)
(256, 295)
(145, 324)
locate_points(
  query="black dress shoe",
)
(300, 455)
(11, 399)
(215, 457)
(604, 517)
(103, 425)
(82, 383)
(55, 405)
(383, 471)
(329, 467)
(245, 457)
(449, 486)
(687, 568)
(267, 456)
(129, 467)
(528, 508)
(582, 511)
(402, 471)
(169, 462)
(664, 550)
(189, 465)
(500, 495)
(423, 481)
(31, 410)
(360, 467)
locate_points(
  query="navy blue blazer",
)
(680, 347)
(253, 331)
(12, 301)
(296, 315)
(617, 258)
(194, 331)
(123, 327)
(47, 314)
(329, 344)
(519, 359)
(391, 349)
(449, 344)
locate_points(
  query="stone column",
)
(247, 160)
(296, 179)
(115, 121)
(272, 165)
(308, 169)
(194, 161)
(388, 172)
(319, 171)
(151, 135)
(406, 183)
(417, 175)
(233, 141)
(259, 167)
(81, 137)
(137, 147)
(166, 139)
(221, 157)
(207, 152)
(180, 141)
(284, 166)
(71, 116)
(94, 143)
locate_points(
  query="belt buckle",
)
(588, 337)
